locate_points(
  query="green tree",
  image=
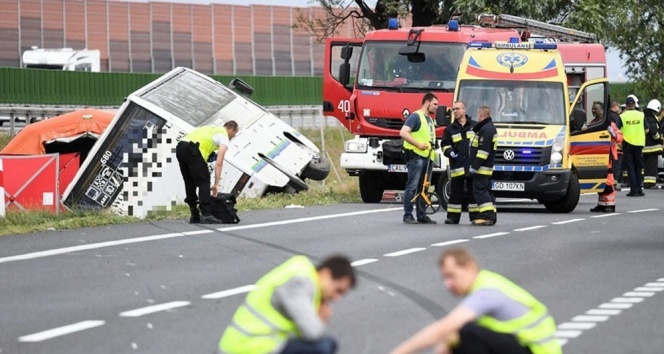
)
(634, 27)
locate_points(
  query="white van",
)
(133, 170)
(62, 59)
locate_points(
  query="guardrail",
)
(310, 116)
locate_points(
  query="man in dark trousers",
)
(419, 136)
(482, 150)
(192, 153)
(495, 315)
(634, 135)
(456, 146)
(653, 147)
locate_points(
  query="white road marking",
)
(583, 318)
(577, 325)
(492, 235)
(155, 308)
(610, 305)
(630, 300)
(531, 228)
(655, 285)
(229, 292)
(58, 251)
(447, 243)
(363, 262)
(404, 252)
(643, 288)
(603, 312)
(567, 221)
(605, 215)
(301, 220)
(92, 246)
(660, 279)
(638, 294)
(60, 331)
(562, 341)
(568, 334)
(641, 211)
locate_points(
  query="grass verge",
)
(337, 188)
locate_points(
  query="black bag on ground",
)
(223, 208)
(393, 152)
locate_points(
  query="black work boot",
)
(195, 215)
(210, 219)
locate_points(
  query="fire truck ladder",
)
(547, 30)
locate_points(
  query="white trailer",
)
(66, 59)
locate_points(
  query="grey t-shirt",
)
(494, 303)
(294, 299)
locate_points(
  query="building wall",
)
(156, 36)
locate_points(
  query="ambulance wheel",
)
(444, 189)
(567, 203)
(318, 169)
(293, 180)
(371, 187)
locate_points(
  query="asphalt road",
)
(170, 287)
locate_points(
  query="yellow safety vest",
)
(422, 135)
(259, 328)
(535, 329)
(203, 136)
(633, 128)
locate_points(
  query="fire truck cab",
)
(371, 85)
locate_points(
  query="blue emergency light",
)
(514, 40)
(545, 46)
(479, 45)
(393, 23)
(453, 25)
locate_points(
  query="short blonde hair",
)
(460, 255)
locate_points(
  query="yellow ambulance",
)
(552, 138)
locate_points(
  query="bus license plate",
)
(508, 186)
(397, 168)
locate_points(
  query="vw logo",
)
(508, 155)
(405, 113)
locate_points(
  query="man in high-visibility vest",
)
(606, 200)
(495, 316)
(193, 152)
(419, 137)
(287, 311)
(633, 127)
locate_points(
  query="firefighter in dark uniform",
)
(482, 151)
(653, 147)
(456, 146)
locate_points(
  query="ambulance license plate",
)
(397, 168)
(508, 186)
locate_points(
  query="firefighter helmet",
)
(654, 105)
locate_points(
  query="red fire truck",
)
(372, 84)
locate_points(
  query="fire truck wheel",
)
(444, 189)
(567, 203)
(371, 187)
(318, 169)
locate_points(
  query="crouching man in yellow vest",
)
(287, 311)
(496, 315)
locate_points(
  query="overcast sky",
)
(616, 70)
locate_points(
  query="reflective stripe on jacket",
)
(203, 136)
(535, 329)
(257, 327)
(653, 143)
(633, 127)
(457, 138)
(424, 134)
(483, 147)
